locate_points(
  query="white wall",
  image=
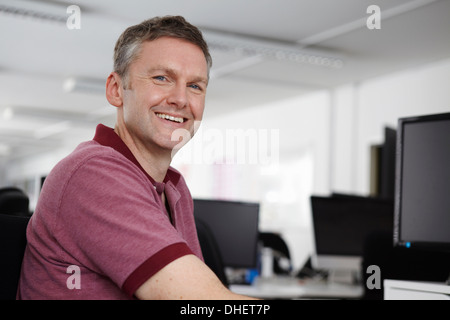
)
(360, 112)
(382, 101)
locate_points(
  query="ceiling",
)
(263, 51)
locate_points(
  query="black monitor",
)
(383, 165)
(342, 224)
(235, 228)
(387, 164)
(422, 201)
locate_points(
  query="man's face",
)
(166, 91)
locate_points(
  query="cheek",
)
(134, 114)
(136, 106)
(198, 108)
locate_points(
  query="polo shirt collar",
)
(107, 137)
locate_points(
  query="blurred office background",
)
(308, 81)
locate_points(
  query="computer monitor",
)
(387, 164)
(422, 202)
(235, 228)
(382, 175)
(342, 224)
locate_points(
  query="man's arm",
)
(185, 278)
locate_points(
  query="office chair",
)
(12, 247)
(280, 250)
(14, 201)
(210, 250)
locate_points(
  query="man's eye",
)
(195, 86)
(160, 78)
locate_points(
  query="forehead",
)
(174, 53)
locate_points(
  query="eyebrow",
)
(173, 73)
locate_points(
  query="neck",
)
(154, 162)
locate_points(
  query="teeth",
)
(171, 118)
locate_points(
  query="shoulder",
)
(92, 165)
(92, 154)
(88, 150)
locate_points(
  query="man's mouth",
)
(170, 118)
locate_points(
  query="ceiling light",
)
(53, 129)
(5, 150)
(35, 10)
(84, 85)
(270, 49)
(7, 113)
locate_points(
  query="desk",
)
(415, 290)
(292, 288)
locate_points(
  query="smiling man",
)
(114, 209)
(164, 91)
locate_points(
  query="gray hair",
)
(129, 44)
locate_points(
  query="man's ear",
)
(114, 90)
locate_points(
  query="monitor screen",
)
(235, 228)
(422, 203)
(342, 225)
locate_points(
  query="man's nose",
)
(178, 96)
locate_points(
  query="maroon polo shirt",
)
(101, 212)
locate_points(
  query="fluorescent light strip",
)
(266, 49)
(33, 14)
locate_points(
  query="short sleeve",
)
(112, 221)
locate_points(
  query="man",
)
(114, 220)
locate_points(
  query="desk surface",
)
(415, 290)
(436, 287)
(292, 288)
